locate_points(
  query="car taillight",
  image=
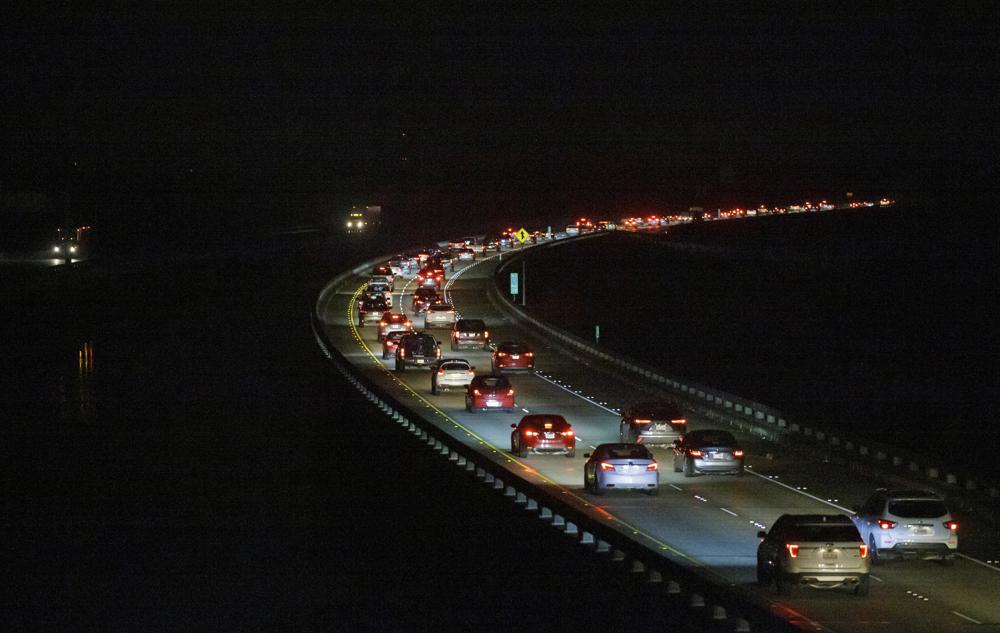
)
(529, 354)
(607, 466)
(437, 352)
(653, 466)
(886, 524)
(681, 421)
(863, 549)
(476, 392)
(530, 433)
(642, 421)
(408, 324)
(793, 549)
(696, 453)
(440, 372)
(567, 433)
(402, 352)
(951, 525)
(381, 323)
(501, 353)
(486, 334)
(737, 453)
(510, 392)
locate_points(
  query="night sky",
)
(502, 112)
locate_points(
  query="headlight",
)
(55, 249)
(350, 224)
(72, 249)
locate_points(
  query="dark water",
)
(879, 322)
(179, 456)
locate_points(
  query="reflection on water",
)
(78, 391)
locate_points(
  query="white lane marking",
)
(784, 485)
(525, 410)
(701, 498)
(600, 406)
(676, 487)
(593, 447)
(978, 562)
(728, 511)
(874, 577)
(965, 617)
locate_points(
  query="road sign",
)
(522, 235)
(513, 283)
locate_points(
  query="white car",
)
(381, 279)
(572, 229)
(907, 524)
(452, 373)
(440, 315)
(466, 255)
(379, 288)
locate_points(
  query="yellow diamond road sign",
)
(522, 235)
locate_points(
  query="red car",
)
(542, 433)
(513, 356)
(391, 341)
(430, 277)
(489, 393)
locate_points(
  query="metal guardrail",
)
(707, 606)
(761, 419)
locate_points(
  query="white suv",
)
(452, 373)
(907, 524)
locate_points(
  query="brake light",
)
(653, 466)
(696, 453)
(440, 372)
(793, 549)
(886, 524)
(567, 433)
(476, 392)
(607, 467)
(680, 421)
(501, 353)
(510, 392)
(737, 453)
(437, 352)
(530, 433)
(381, 323)
(642, 421)
(486, 333)
(402, 352)
(472, 373)
(864, 550)
(529, 354)
(951, 525)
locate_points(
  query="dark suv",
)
(418, 350)
(469, 334)
(423, 298)
(652, 423)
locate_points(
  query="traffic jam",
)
(405, 307)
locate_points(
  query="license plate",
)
(515, 356)
(550, 436)
(420, 361)
(493, 403)
(921, 531)
(830, 555)
(716, 456)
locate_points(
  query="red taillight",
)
(476, 392)
(530, 433)
(437, 352)
(696, 453)
(951, 525)
(486, 334)
(529, 354)
(642, 421)
(737, 453)
(381, 323)
(501, 353)
(653, 466)
(886, 524)
(793, 549)
(680, 421)
(567, 433)
(402, 352)
(472, 373)
(606, 466)
(408, 324)
(510, 392)
(864, 550)
(440, 372)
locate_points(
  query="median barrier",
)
(918, 469)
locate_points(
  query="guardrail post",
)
(558, 521)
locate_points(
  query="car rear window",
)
(918, 508)
(455, 365)
(441, 308)
(833, 533)
(496, 382)
(471, 325)
(705, 438)
(629, 452)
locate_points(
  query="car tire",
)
(434, 388)
(763, 576)
(468, 406)
(873, 552)
(677, 468)
(947, 561)
(863, 587)
(571, 454)
(453, 348)
(653, 492)
(739, 473)
(598, 491)
(400, 367)
(688, 468)
(786, 584)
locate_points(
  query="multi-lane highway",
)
(709, 522)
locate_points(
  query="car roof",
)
(818, 519)
(909, 494)
(492, 379)
(658, 406)
(543, 418)
(470, 324)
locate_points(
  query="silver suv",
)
(814, 550)
(907, 524)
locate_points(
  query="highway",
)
(707, 522)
